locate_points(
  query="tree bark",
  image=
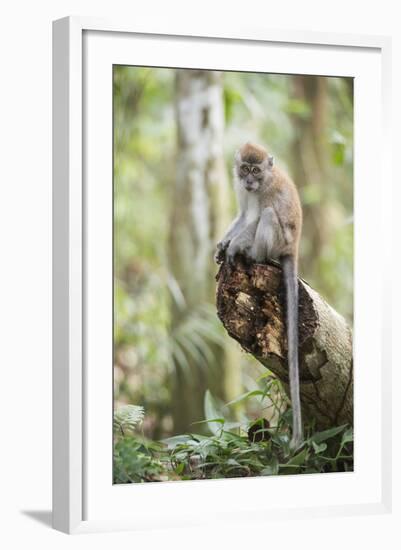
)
(251, 306)
(199, 215)
(310, 164)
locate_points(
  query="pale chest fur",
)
(249, 204)
(252, 208)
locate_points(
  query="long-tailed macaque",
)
(268, 226)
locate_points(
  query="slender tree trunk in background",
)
(310, 163)
(200, 211)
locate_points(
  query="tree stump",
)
(251, 306)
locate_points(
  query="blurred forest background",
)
(175, 134)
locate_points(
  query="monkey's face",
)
(250, 175)
(253, 167)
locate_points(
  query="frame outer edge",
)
(67, 275)
(253, 34)
(387, 276)
(68, 464)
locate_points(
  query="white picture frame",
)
(83, 49)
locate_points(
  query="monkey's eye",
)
(245, 169)
(255, 170)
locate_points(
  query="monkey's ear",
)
(271, 160)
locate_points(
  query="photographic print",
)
(233, 274)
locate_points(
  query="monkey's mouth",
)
(250, 187)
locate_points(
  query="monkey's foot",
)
(220, 254)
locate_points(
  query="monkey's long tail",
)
(291, 284)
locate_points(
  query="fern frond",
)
(127, 417)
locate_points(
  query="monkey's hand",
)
(238, 246)
(220, 253)
(232, 250)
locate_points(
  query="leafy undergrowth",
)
(231, 451)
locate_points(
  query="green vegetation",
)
(233, 450)
(170, 350)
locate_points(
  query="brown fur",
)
(268, 226)
(279, 192)
(279, 226)
(252, 153)
(282, 194)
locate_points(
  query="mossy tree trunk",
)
(250, 304)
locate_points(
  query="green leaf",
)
(348, 436)
(211, 414)
(175, 440)
(180, 468)
(231, 97)
(319, 448)
(338, 144)
(271, 469)
(220, 420)
(244, 396)
(298, 459)
(281, 439)
(232, 462)
(338, 154)
(298, 107)
(232, 425)
(327, 434)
